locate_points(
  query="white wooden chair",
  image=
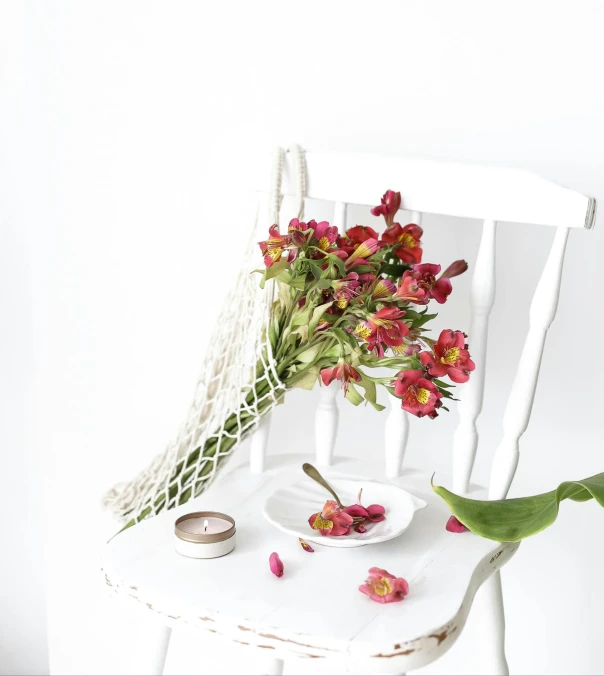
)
(236, 596)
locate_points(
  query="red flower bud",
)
(276, 564)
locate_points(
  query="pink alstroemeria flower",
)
(276, 565)
(383, 288)
(331, 520)
(391, 203)
(409, 288)
(354, 237)
(346, 289)
(324, 236)
(418, 396)
(406, 242)
(276, 246)
(341, 371)
(361, 253)
(425, 276)
(451, 357)
(383, 587)
(383, 327)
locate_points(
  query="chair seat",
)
(315, 610)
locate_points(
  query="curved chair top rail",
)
(443, 187)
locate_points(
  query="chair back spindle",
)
(520, 401)
(482, 298)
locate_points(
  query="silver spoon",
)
(313, 473)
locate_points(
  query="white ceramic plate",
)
(290, 506)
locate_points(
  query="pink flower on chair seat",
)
(275, 564)
(391, 203)
(451, 357)
(331, 520)
(454, 525)
(383, 587)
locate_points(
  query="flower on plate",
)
(331, 520)
(418, 395)
(276, 565)
(383, 587)
(355, 236)
(406, 242)
(305, 546)
(391, 203)
(372, 513)
(341, 371)
(382, 328)
(451, 357)
(454, 525)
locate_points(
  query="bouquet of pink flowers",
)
(354, 301)
(347, 302)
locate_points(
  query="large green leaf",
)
(517, 518)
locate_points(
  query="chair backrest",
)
(490, 195)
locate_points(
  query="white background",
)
(121, 125)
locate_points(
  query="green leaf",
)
(353, 396)
(315, 269)
(302, 318)
(275, 269)
(306, 381)
(316, 316)
(441, 383)
(310, 354)
(324, 283)
(296, 282)
(370, 392)
(517, 518)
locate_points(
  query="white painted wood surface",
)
(435, 187)
(238, 597)
(520, 401)
(482, 297)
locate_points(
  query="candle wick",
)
(205, 525)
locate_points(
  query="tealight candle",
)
(204, 535)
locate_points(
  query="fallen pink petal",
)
(276, 564)
(454, 525)
(305, 546)
(383, 587)
(359, 528)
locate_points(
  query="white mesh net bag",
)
(239, 384)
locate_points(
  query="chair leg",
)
(493, 626)
(159, 650)
(275, 667)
